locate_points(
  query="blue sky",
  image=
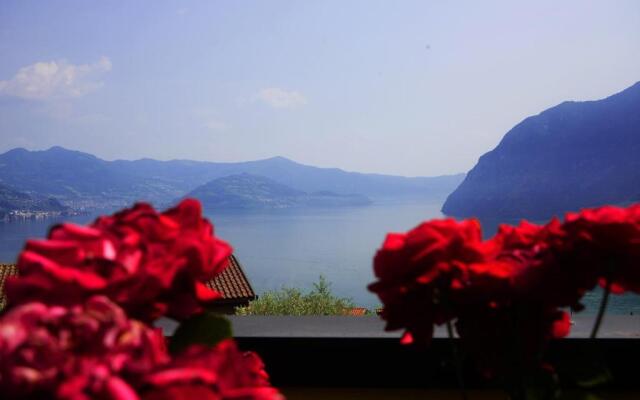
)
(398, 87)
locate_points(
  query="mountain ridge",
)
(570, 156)
(247, 191)
(84, 181)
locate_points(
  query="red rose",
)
(523, 305)
(150, 263)
(606, 240)
(443, 271)
(221, 372)
(506, 293)
(86, 351)
(421, 272)
(540, 272)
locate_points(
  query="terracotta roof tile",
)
(6, 270)
(232, 283)
(356, 312)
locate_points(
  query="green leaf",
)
(587, 368)
(207, 328)
(292, 301)
(597, 377)
(591, 373)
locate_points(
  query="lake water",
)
(294, 247)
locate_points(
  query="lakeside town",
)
(18, 215)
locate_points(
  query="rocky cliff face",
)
(574, 155)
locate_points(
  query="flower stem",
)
(603, 307)
(458, 361)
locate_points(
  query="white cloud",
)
(55, 80)
(281, 98)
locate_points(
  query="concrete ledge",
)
(613, 327)
(350, 352)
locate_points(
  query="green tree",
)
(292, 301)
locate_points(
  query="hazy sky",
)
(399, 87)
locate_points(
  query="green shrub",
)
(292, 301)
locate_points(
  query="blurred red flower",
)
(540, 272)
(505, 294)
(442, 271)
(606, 240)
(150, 263)
(86, 351)
(420, 272)
(221, 372)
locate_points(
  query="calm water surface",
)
(294, 247)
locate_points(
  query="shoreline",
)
(27, 215)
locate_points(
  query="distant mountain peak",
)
(64, 151)
(58, 148)
(17, 150)
(54, 150)
(280, 159)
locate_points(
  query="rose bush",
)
(151, 264)
(221, 372)
(606, 240)
(507, 295)
(95, 351)
(419, 271)
(85, 351)
(79, 315)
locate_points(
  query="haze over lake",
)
(294, 247)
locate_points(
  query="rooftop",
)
(232, 283)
